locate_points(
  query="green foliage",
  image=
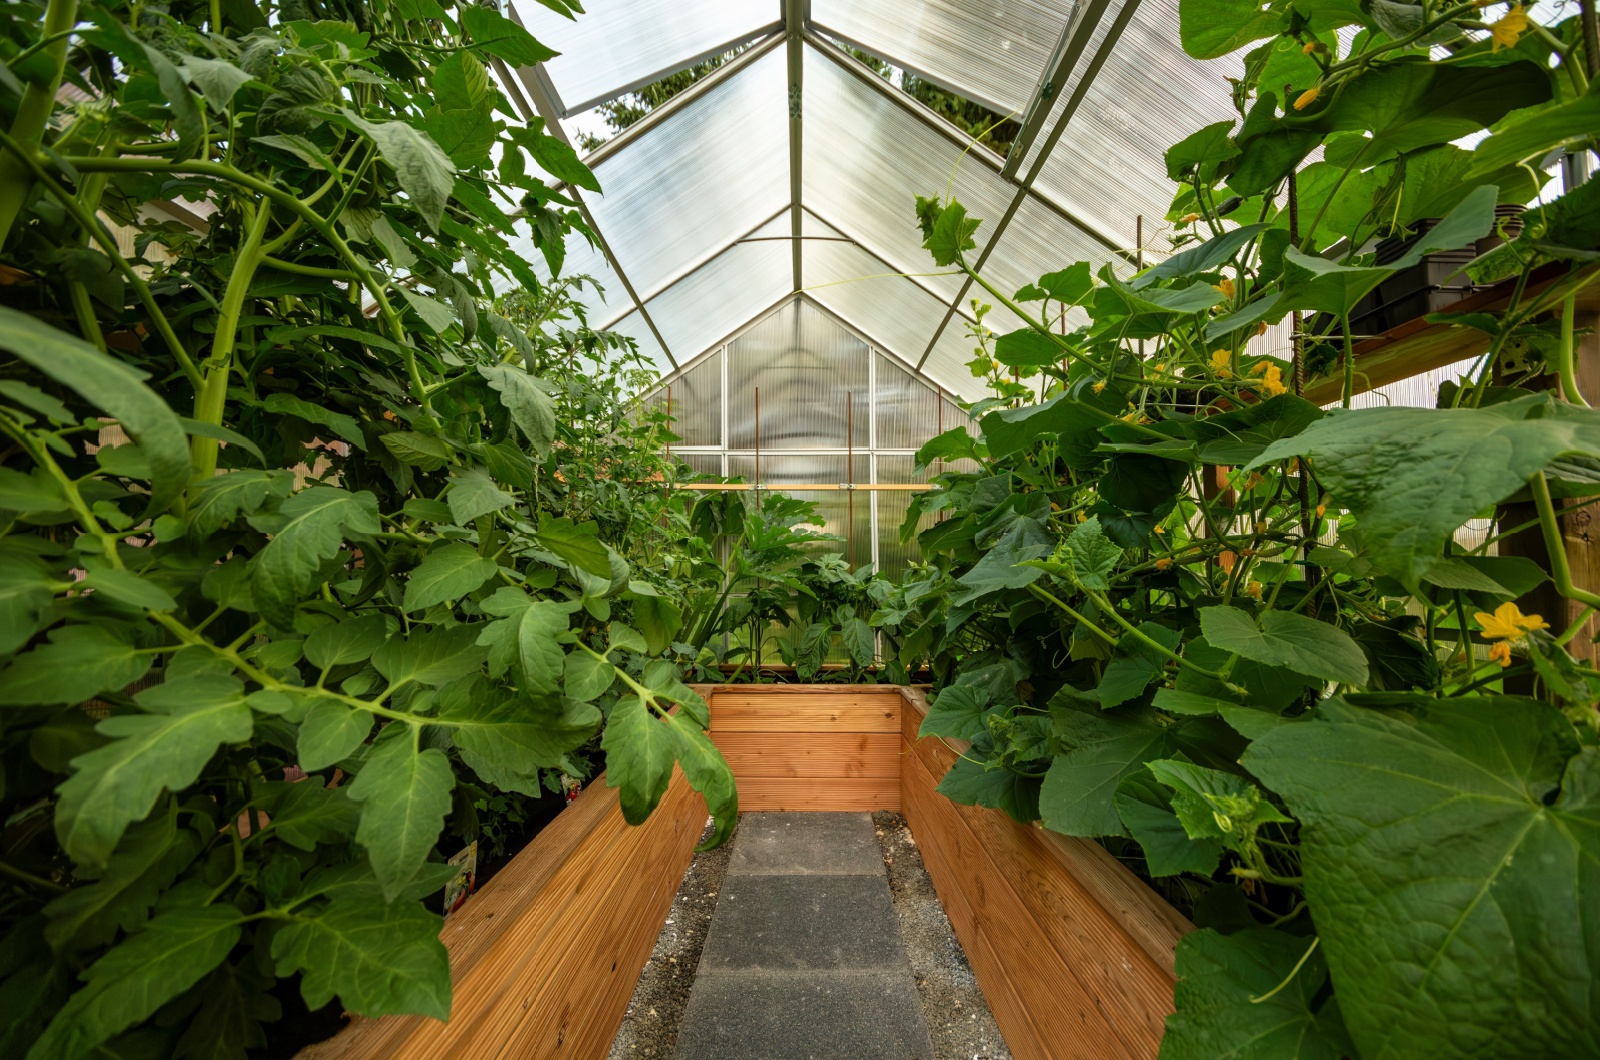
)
(316, 552)
(1227, 1006)
(1434, 837)
(1173, 606)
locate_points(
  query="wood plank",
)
(791, 688)
(576, 1011)
(1106, 883)
(1022, 1038)
(1041, 1009)
(1132, 993)
(802, 712)
(471, 933)
(527, 957)
(825, 794)
(536, 935)
(1418, 346)
(797, 754)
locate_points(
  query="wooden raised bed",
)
(1073, 951)
(546, 956)
(810, 747)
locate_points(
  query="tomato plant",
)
(333, 535)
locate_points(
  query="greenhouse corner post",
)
(38, 100)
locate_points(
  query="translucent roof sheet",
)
(896, 313)
(692, 184)
(698, 199)
(1110, 163)
(715, 299)
(624, 44)
(992, 53)
(867, 158)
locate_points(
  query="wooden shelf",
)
(1417, 346)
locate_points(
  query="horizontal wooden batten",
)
(800, 713)
(1074, 953)
(545, 957)
(827, 748)
(805, 754)
(819, 794)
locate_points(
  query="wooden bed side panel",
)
(546, 956)
(1063, 908)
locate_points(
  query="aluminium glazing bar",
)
(1113, 34)
(1075, 36)
(794, 18)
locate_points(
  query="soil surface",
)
(959, 1020)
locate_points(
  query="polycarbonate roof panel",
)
(867, 158)
(991, 51)
(893, 311)
(622, 44)
(706, 306)
(705, 176)
(1109, 166)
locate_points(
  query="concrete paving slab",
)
(804, 923)
(806, 844)
(805, 1016)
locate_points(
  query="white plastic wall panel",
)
(834, 506)
(702, 463)
(814, 382)
(705, 176)
(867, 158)
(991, 51)
(1109, 165)
(908, 411)
(621, 44)
(694, 401)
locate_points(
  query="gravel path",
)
(959, 1021)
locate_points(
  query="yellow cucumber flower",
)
(1220, 360)
(1510, 28)
(1508, 622)
(1272, 383)
(1308, 97)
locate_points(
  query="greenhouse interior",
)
(864, 529)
